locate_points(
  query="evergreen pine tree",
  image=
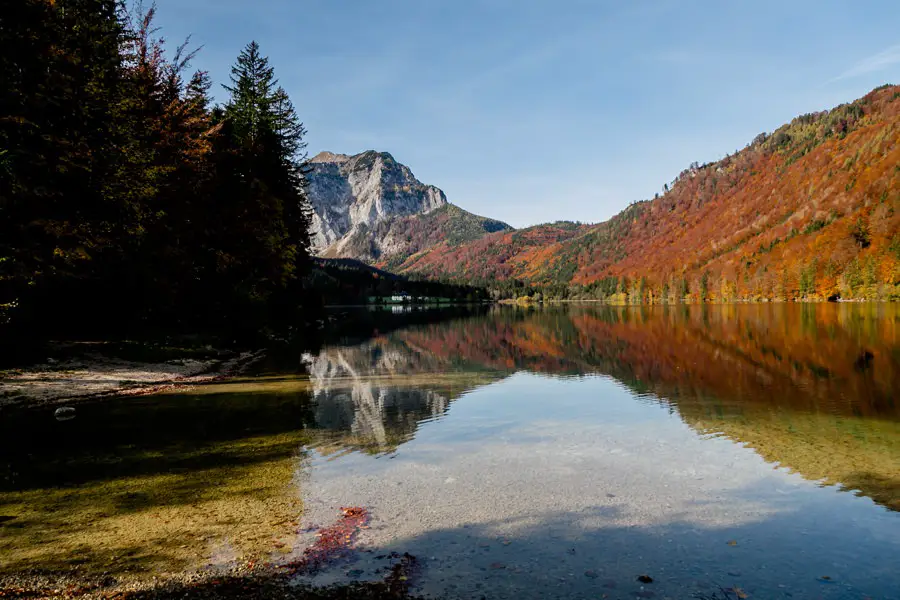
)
(265, 177)
(165, 174)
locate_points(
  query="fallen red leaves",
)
(333, 542)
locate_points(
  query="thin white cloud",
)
(876, 62)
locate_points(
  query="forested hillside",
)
(408, 235)
(811, 211)
(128, 201)
(502, 255)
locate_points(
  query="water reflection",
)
(372, 396)
(610, 452)
(840, 359)
(543, 487)
(811, 387)
(206, 478)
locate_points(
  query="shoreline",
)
(515, 302)
(95, 375)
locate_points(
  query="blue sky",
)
(533, 111)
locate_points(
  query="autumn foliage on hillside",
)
(448, 225)
(500, 255)
(811, 211)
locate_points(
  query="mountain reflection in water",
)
(810, 387)
(373, 395)
(613, 441)
(206, 477)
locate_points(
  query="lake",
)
(721, 451)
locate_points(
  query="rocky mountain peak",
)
(353, 194)
(329, 157)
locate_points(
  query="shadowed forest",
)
(129, 200)
(130, 203)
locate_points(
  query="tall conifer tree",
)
(266, 181)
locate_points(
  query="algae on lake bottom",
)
(183, 480)
(242, 504)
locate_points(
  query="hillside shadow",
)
(145, 436)
(135, 486)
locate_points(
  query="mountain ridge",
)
(811, 210)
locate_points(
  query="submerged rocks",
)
(64, 413)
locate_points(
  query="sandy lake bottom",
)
(541, 487)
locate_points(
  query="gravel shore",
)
(263, 582)
(94, 374)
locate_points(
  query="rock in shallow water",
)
(64, 413)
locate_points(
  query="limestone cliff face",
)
(353, 195)
(372, 208)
